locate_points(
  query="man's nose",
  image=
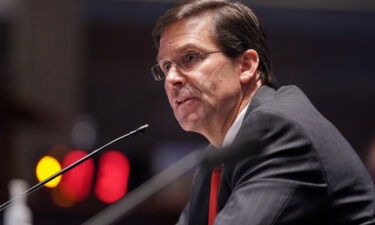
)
(175, 77)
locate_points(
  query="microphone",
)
(247, 144)
(139, 130)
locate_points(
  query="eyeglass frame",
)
(159, 77)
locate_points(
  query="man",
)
(296, 168)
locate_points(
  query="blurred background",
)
(74, 74)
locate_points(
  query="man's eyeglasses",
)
(186, 61)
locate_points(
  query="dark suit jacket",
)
(297, 169)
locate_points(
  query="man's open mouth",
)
(180, 101)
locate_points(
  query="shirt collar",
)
(233, 130)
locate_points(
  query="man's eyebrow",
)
(181, 49)
(157, 59)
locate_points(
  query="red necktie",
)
(215, 182)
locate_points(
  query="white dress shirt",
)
(233, 130)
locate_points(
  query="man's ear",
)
(249, 66)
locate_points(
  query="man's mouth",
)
(182, 100)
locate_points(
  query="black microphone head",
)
(140, 129)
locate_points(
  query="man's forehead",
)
(193, 32)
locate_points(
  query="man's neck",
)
(216, 137)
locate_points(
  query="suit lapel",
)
(263, 94)
(200, 194)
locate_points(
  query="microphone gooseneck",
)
(139, 130)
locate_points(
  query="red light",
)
(76, 184)
(113, 176)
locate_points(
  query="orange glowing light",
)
(46, 167)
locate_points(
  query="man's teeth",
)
(182, 100)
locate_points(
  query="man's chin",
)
(188, 125)
(190, 121)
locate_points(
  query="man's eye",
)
(167, 66)
(189, 58)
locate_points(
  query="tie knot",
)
(218, 169)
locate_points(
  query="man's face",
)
(207, 95)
